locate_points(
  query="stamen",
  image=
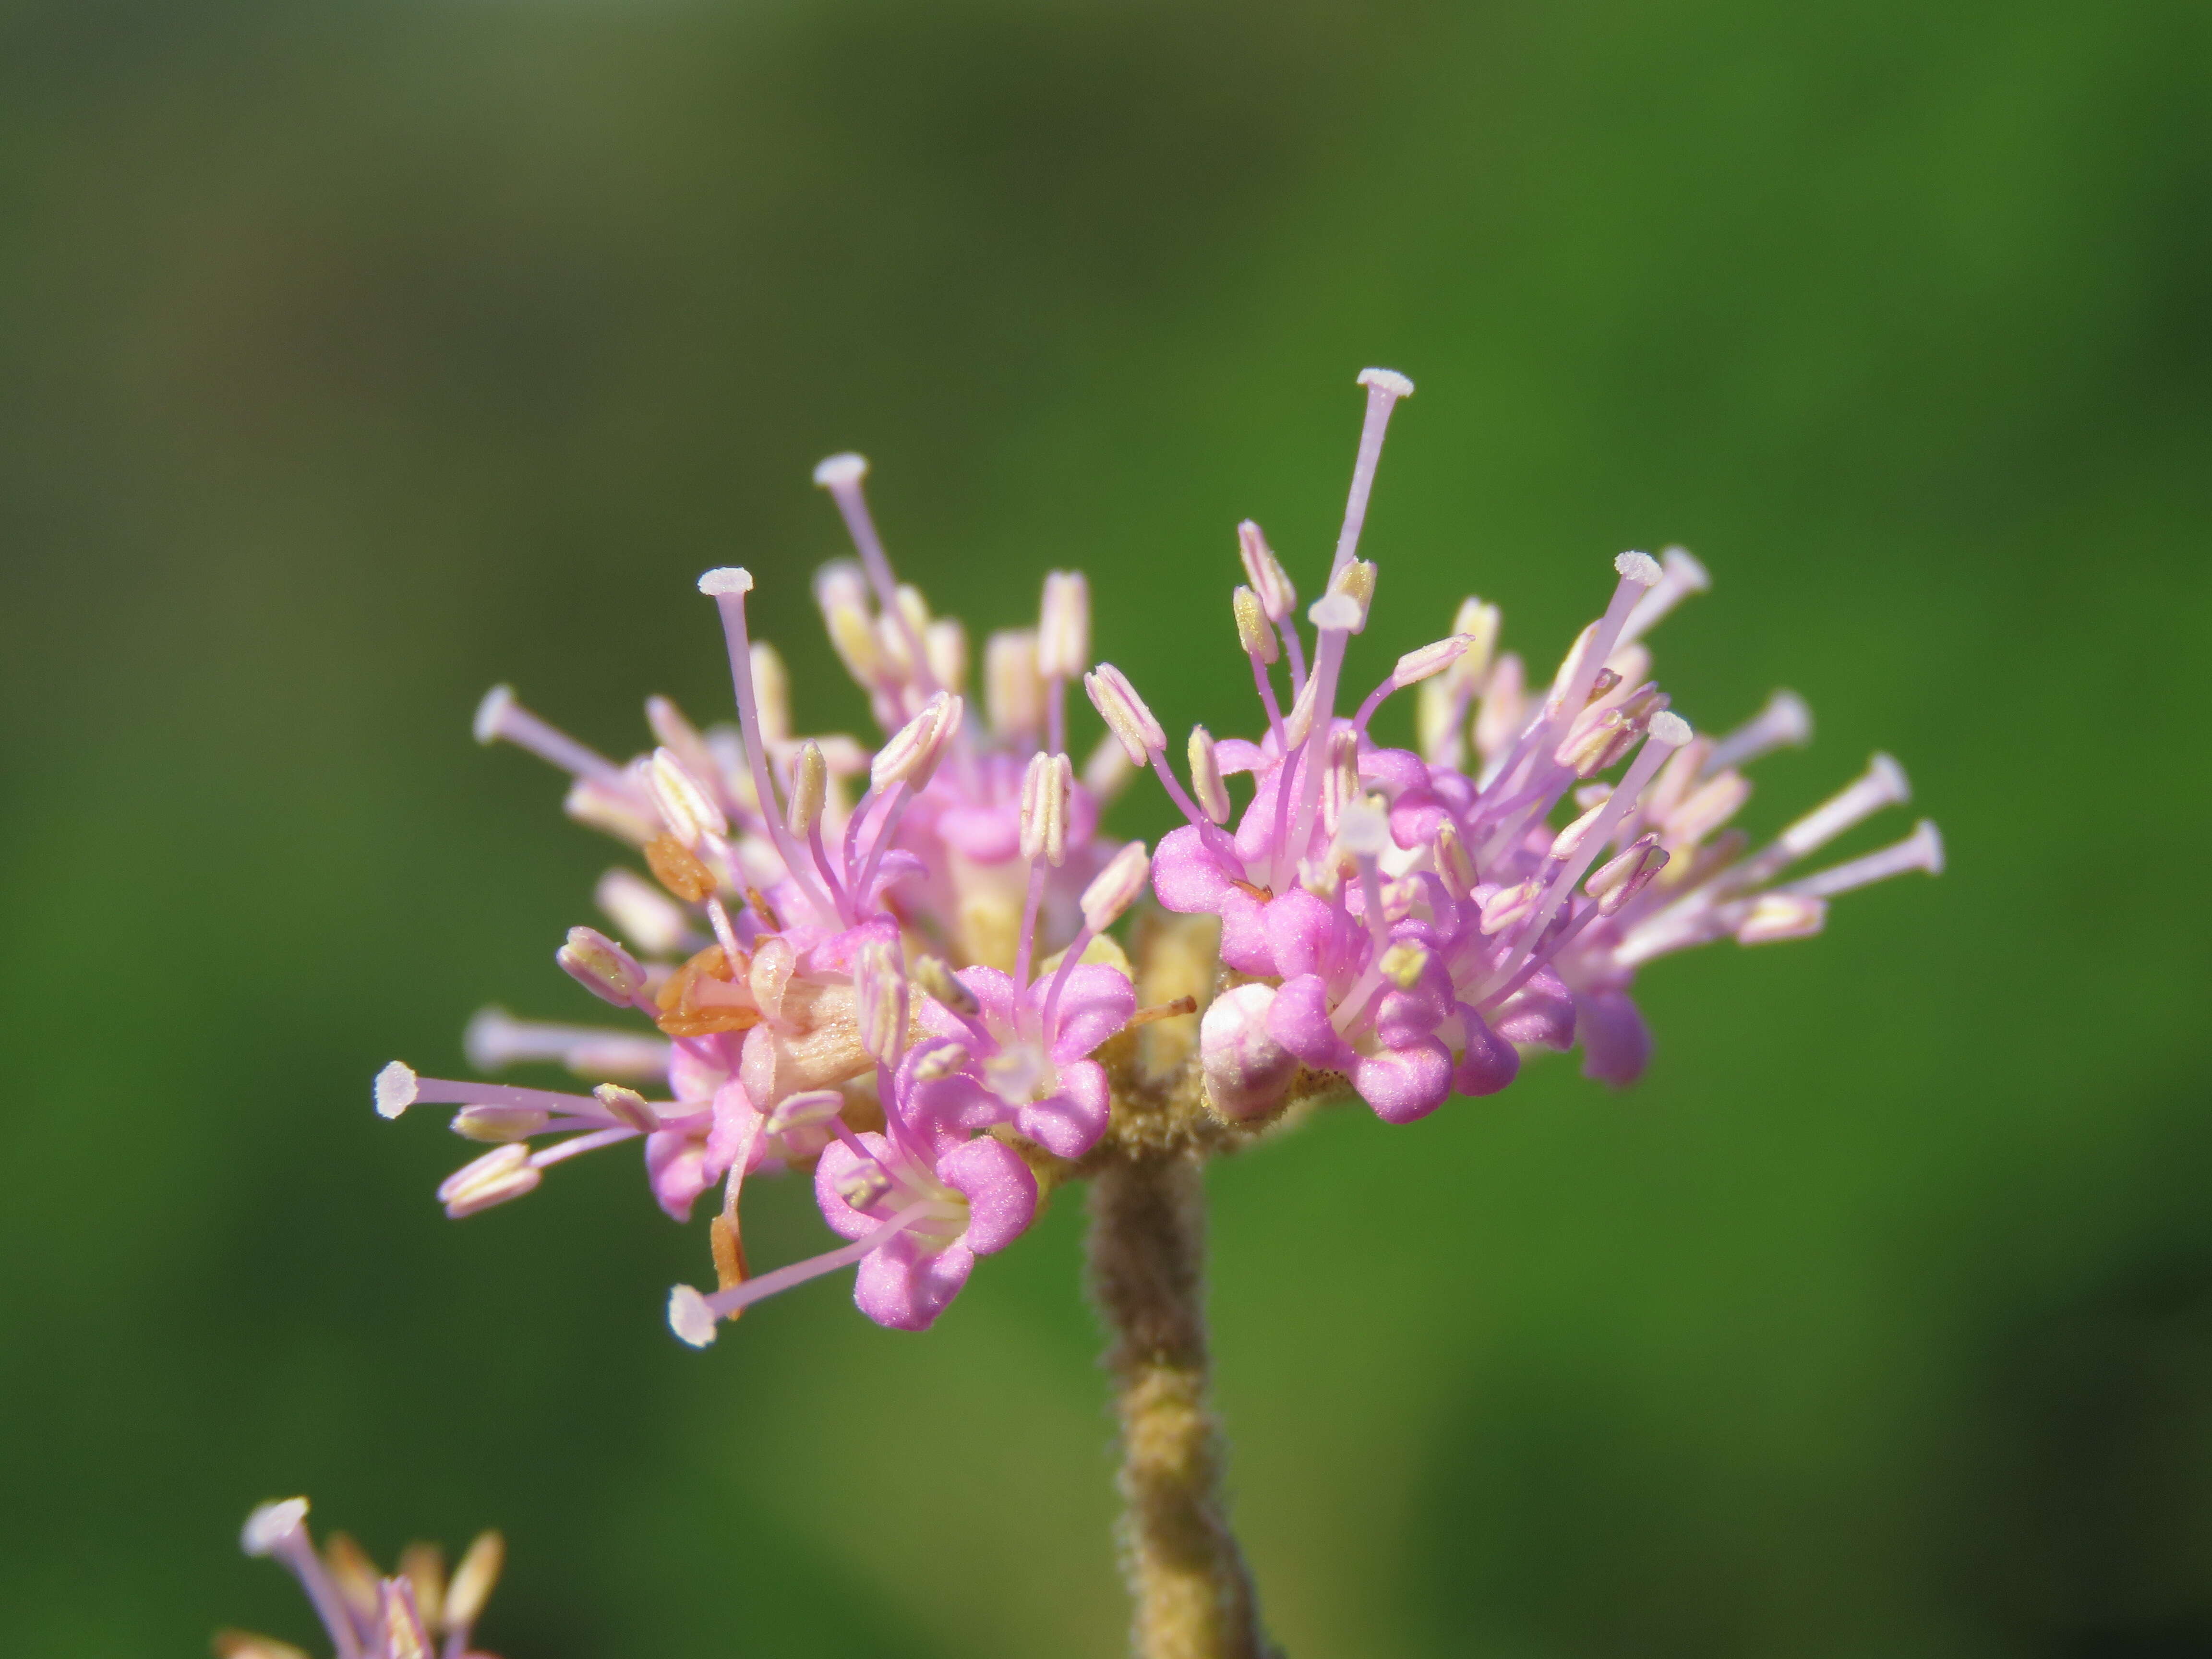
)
(693, 1316)
(879, 977)
(1775, 916)
(1125, 713)
(1013, 691)
(494, 1040)
(1384, 387)
(941, 982)
(809, 789)
(911, 756)
(279, 1530)
(503, 1174)
(640, 911)
(945, 642)
(1883, 784)
(1680, 575)
(1412, 669)
(1116, 888)
(1254, 631)
(680, 870)
(1786, 722)
(772, 692)
(841, 475)
(1063, 642)
(1640, 573)
(1270, 581)
(1206, 779)
(1048, 784)
(471, 1585)
(686, 807)
(499, 715)
(1920, 850)
(727, 588)
(601, 966)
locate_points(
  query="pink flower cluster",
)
(805, 888)
(840, 947)
(1414, 922)
(413, 1613)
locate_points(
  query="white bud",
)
(1206, 781)
(1124, 713)
(600, 966)
(1265, 572)
(1064, 626)
(1116, 888)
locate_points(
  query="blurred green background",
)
(354, 356)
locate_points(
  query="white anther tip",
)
(395, 1089)
(1386, 379)
(270, 1525)
(1931, 846)
(1671, 729)
(845, 469)
(1639, 568)
(1687, 570)
(1886, 772)
(730, 579)
(491, 714)
(1792, 716)
(689, 1317)
(1334, 612)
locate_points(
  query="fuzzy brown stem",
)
(1187, 1577)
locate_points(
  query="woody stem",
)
(1193, 1592)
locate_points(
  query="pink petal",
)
(1000, 1191)
(837, 1164)
(1616, 1043)
(1542, 1011)
(1489, 1062)
(987, 835)
(1068, 1124)
(1400, 1084)
(1298, 1019)
(1244, 944)
(994, 988)
(676, 1167)
(900, 1286)
(1191, 872)
(1096, 1002)
(734, 1119)
(1300, 930)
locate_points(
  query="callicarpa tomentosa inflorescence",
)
(894, 967)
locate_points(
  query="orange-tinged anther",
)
(729, 1249)
(678, 869)
(704, 995)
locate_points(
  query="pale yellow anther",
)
(940, 1062)
(1775, 916)
(1404, 964)
(1116, 888)
(1429, 660)
(1564, 843)
(1707, 807)
(854, 639)
(500, 1124)
(686, 807)
(1265, 572)
(1617, 871)
(1340, 782)
(1437, 709)
(1254, 631)
(945, 645)
(473, 1581)
(1510, 904)
(1453, 863)
(1356, 581)
(1299, 723)
(1013, 691)
(1125, 713)
(1480, 623)
(911, 754)
(879, 977)
(503, 1174)
(1064, 626)
(1205, 781)
(809, 787)
(628, 1107)
(1048, 787)
(1504, 708)
(939, 981)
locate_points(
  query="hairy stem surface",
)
(1193, 1593)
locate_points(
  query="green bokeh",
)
(354, 356)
